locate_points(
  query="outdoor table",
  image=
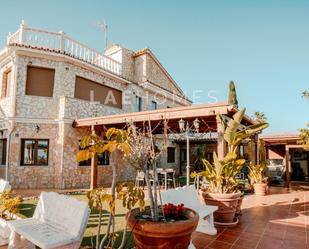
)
(165, 172)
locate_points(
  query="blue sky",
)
(262, 45)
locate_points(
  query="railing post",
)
(22, 33)
(8, 38)
(61, 41)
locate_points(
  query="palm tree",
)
(304, 133)
(260, 117)
(305, 94)
(304, 137)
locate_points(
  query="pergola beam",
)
(170, 114)
(157, 115)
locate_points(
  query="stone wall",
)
(75, 176)
(71, 108)
(64, 85)
(33, 176)
(156, 75)
(54, 115)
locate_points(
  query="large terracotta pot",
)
(227, 205)
(239, 203)
(260, 188)
(160, 235)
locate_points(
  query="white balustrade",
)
(61, 43)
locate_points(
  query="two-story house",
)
(48, 80)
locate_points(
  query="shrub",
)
(9, 205)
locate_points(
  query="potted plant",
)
(221, 175)
(150, 227)
(257, 178)
(222, 190)
(257, 172)
(155, 227)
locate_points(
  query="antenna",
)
(104, 28)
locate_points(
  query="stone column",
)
(221, 143)
(287, 165)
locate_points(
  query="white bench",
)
(4, 186)
(59, 221)
(189, 197)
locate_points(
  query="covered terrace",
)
(200, 120)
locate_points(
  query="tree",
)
(304, 133)
(304, 137)
(305, 94)
(260, 117)
(232, 95)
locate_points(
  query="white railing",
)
(61, 43)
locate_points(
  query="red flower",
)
(172, 211)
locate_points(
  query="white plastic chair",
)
(189, 197)
(140, 178)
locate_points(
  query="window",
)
(40, 81)
(170, 154)
(6, 83)
(103, 159)
(154, 105)
(138, 104)
(34, 152)
(3, 144)
(92, 91)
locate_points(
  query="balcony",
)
(59, 42)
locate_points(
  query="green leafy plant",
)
(304, 132)
(260, 117)
(114, 140)
(199, 153)
(304, 137)
(126, 192)
(138, 148)
(221, 175)
(9, 204)
(305, 94)
(233, 133)
(257, 173)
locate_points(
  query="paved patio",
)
(276, 221)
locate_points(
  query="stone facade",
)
(35, 117)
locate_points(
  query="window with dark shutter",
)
(40, 81)
(92, 91)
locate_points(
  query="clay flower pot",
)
(239, 203)
(260, 188)
(227, 205)
(170, 235)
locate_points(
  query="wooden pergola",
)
(288, 141)
(165, 121)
